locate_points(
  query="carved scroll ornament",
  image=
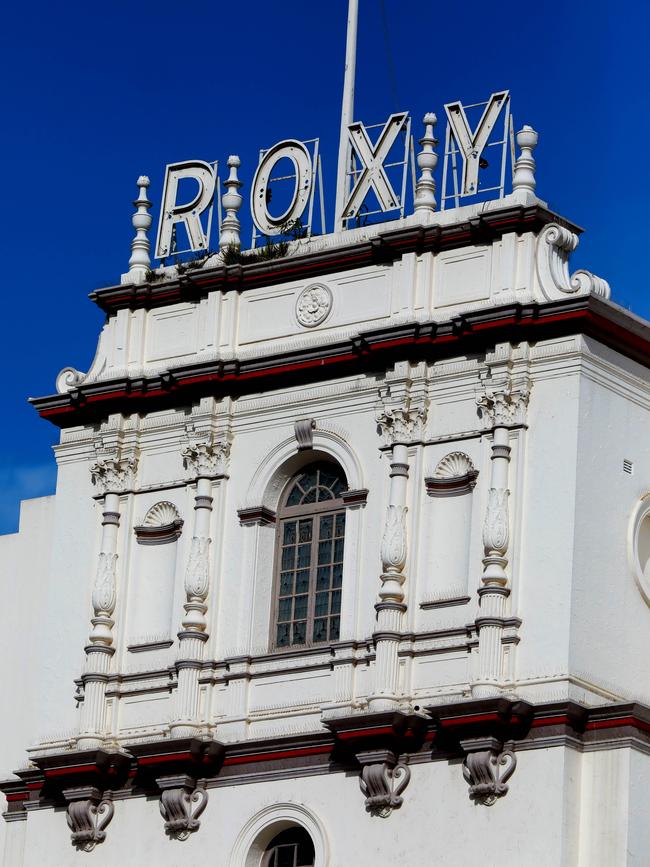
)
(88, 814)
(181, 803)
(487, 773)
(382, 781)
(554, 247)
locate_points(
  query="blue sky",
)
(96, 94)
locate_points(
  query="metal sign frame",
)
(453, 149)
(357, 167)
(316, 179)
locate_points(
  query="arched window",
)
(290, 848)
(309, 557)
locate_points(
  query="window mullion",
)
(311, 602)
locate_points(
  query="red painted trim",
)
(618, 722)
(362, 733)
(17, 796)
(278, 754)
(562, 719)
(73, 769)
(473, 718)
(33, 787)
(171, 757)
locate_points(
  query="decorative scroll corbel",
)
(68, 379)
(182, 801)
(304, 432)
(554, 246)
(487, 767)
(382, 781)
(88, 814)
(586, 283)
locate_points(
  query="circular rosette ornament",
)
(313, 305)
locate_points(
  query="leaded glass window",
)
(309, 559)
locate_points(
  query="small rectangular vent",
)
(628, 467)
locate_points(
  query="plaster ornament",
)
(554, 246)
(495, 528)
(382, 781)
(427, 160)
(231, 201)
(104, 590)
(487, 772)
(140, 262)
(197, 574)
(453, 466)
(88, 814)
(114, 475)
(400, 425)
(314, 305)
(505, 403)
(68, 379)
(161, 514)
(206, 459)
(161, 524)
(181, 804)
(304, 432)
(393, 546)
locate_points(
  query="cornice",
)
(470, 332)
(383, 249)
(436, 733)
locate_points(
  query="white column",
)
(399, 426)
(204, 461)
(112, 476)
(502, 406)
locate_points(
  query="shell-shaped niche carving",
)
(454, 474)
(162, 523)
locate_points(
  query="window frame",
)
(288, 513)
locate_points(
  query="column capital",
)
(114, 474)
(207, 458)
(504, 402)
(401, 423)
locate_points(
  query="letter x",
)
(372, 159)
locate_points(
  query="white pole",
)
(347, 111)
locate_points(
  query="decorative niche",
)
(161, 524)
(450, 485)
(153, 578)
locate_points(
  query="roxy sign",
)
(370, 167)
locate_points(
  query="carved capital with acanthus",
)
(206, 459)
(401, 419)
(114, 475)
(182, 801)
(504, 403)
(89, 812)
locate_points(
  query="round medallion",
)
(313, 305)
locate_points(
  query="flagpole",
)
(347, 111)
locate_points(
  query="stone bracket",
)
(89, 812)
(182, 800)
(382, 781)
(487, 767)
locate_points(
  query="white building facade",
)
(348, 561)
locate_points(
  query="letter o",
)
(297, 152)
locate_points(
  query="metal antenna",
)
(347, 110)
